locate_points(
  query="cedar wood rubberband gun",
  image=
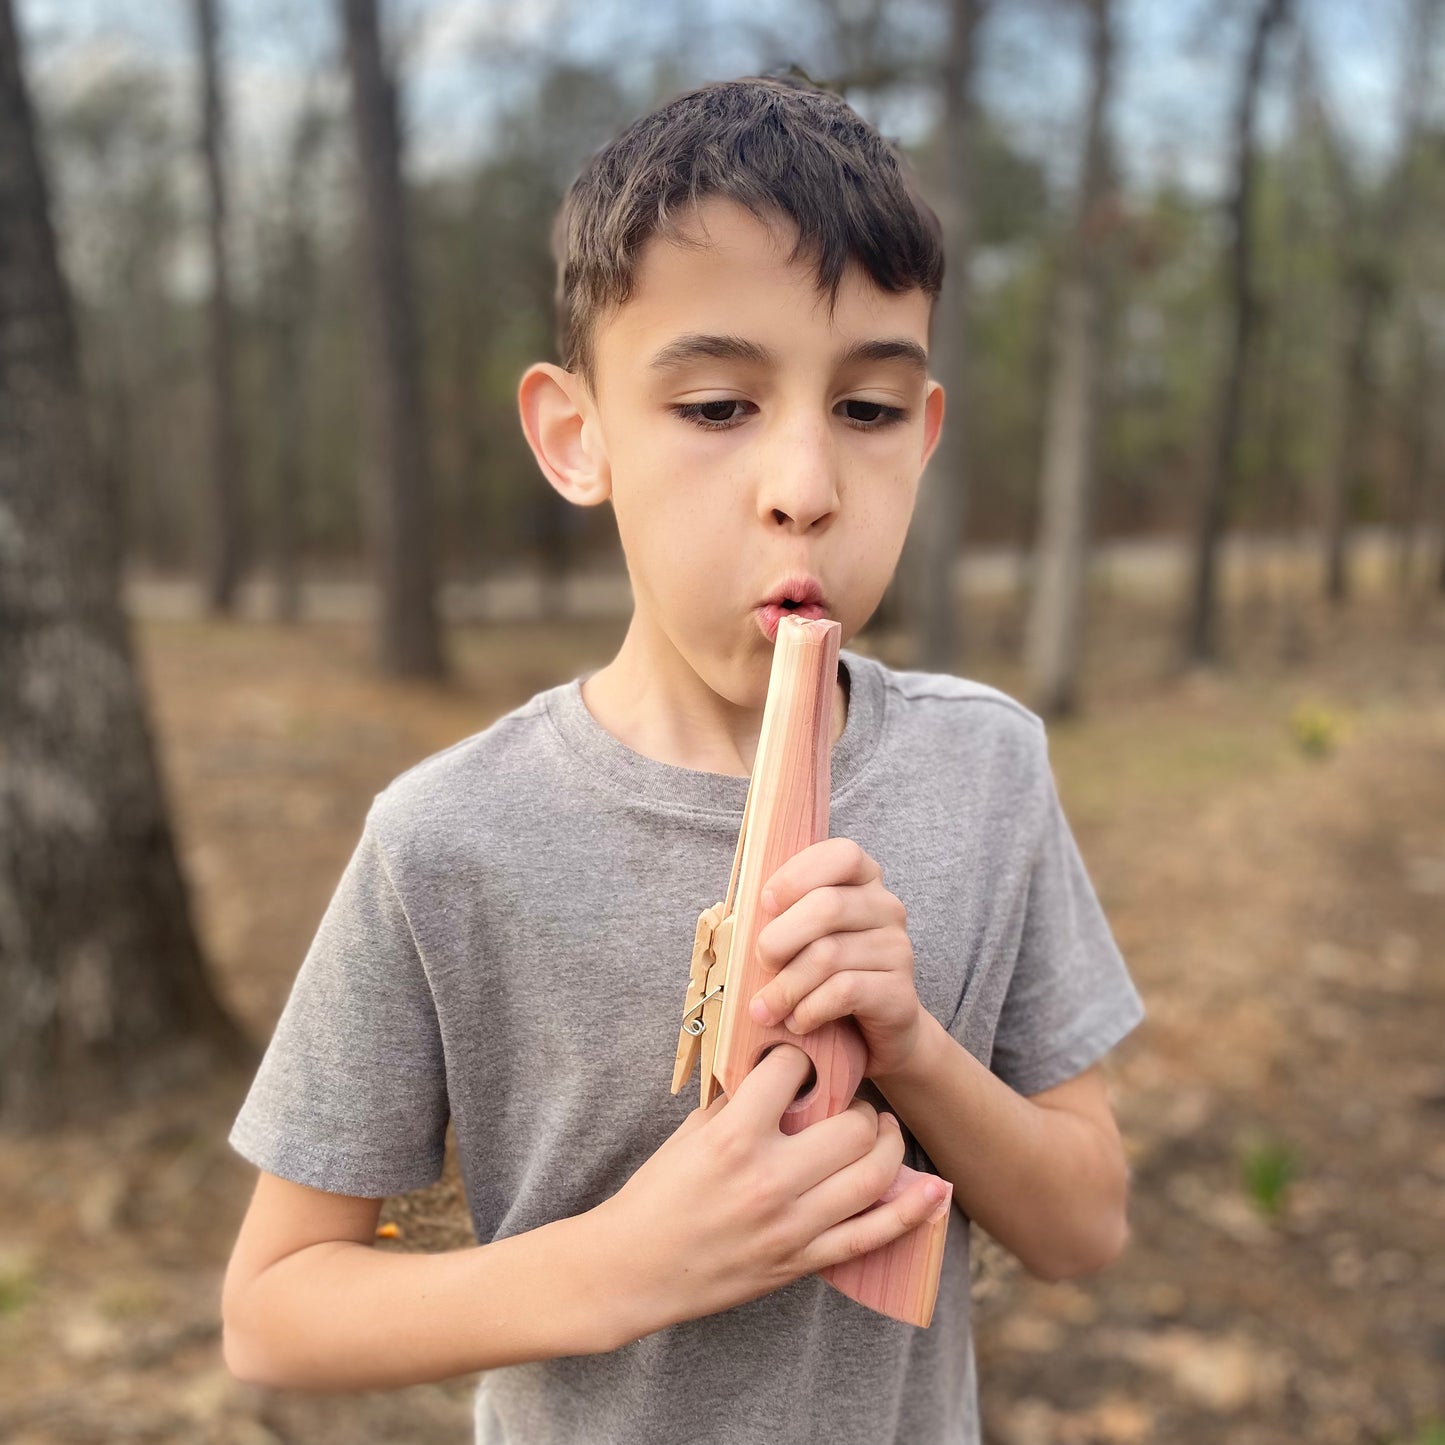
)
(787, 811)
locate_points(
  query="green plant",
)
(1432, 1433)
(17, 1283)
(1270, 1167)
(1316, 730)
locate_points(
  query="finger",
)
(857, 1185)
(770, 1087)
(874, 997)
(924, 1199)
(824, 911)
(829, 861)
(872, 951)
(822, 1149)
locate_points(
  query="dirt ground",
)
(1268, 840)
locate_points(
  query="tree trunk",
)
(398, 491)
(1418, 426)
(102, 993)
(1201, 640)
(1055, 622)
(225, 525)
(294, 284)
(936, 534)
(1356, 422)
(1375, 243)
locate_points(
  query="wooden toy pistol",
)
(787, 811)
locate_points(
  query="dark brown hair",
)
(778, 145)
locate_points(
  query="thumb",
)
(772, 1085)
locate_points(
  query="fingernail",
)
(940, 1193)
(891, 1118)
(759, 1011)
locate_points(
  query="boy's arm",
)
(309, 1303)
(1044, 1174)
(727, 1209)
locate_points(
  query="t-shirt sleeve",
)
(350, 1095)
(1070, 999)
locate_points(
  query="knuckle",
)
(894, 1150)
(759, 1195)
(881, 1171)
(774, 1240)
(862, 1129)
(733, 1144)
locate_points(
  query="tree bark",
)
(1201, 640)
(936, 534)
(1054, 633)
(225, 543)
(398, 489)
(102, 992)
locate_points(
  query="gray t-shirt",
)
(509, 947)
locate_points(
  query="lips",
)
(799, 589)
(799, 595)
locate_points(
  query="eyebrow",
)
(698, 346)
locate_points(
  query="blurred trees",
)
(287, 306)
(477, 264)
(1072, 419)
(396, 467)
(1376, 225)
(225, 544)
(936, 534)
(1222, 453)
(102, 992)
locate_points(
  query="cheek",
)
(669, 533)
(882, 511)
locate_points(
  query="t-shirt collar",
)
(640, 777)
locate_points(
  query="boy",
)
(746, 283)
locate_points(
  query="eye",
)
(712, 415)
(872, 415)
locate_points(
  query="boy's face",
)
(744, 437)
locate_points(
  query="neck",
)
(652, 699)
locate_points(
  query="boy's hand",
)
(839, 937)
(731, 1208)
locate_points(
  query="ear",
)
(561, 426)
(932, 419)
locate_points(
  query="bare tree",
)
(1201, 642)
(936, 534)
(398, 490)
(225, 529)
(1373, 233)
(1054, 633)
(1414, 241)
(102, 991)
(293, 282)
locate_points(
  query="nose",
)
(799, 487)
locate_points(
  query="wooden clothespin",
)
(787, 811)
